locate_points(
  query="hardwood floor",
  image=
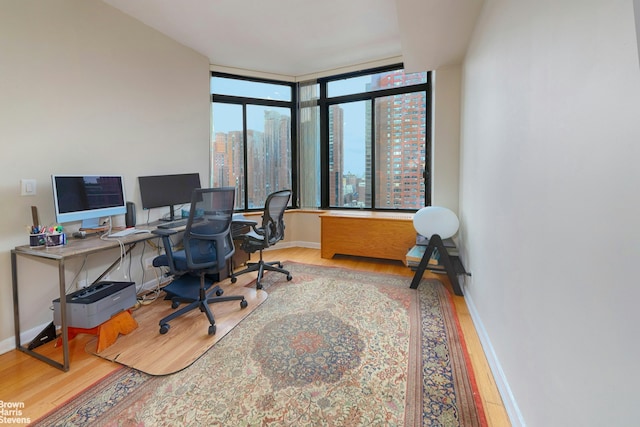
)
(41, 387)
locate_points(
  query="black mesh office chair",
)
(207, 247)
(268, 234)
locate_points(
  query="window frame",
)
(243, 101)
(325, 102)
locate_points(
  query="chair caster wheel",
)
(258, 285)
(212, 330)
(234, 279)
(175, 304)
(244, 303)
(219, 292)
(289, 277)
(164, 328)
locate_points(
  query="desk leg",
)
(63, 316)
(16, 303)
(16, 316)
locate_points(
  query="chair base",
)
(202, 303)
(260, 267)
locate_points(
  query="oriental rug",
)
(332, 347)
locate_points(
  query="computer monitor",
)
(88, 198)
(167, 190)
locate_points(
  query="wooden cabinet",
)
(370, 234)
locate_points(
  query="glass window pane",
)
(308, 92)
(309, 178)
(227, 149)
(372, 82)
(400, 151)
(250, 89)
(309, 183)
(268, 152)
(350, 154)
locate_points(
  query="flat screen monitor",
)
(88, 198)
(167, 190)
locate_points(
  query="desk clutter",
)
(40, 236)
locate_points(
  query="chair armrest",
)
(241, 219)
(164, 231)
(258, 229)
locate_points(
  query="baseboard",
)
(296, 244)
(509, 401)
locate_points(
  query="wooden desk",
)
(387, 235)
(74, 248)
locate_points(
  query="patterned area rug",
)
(333, 347)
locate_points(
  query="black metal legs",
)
(435, 242)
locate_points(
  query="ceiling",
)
(305, 37)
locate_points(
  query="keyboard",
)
(127, 232)
(174, 224)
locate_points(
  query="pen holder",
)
(55, 239)
(36, 240)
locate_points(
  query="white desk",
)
(74, 248)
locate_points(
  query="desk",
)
(74, 248)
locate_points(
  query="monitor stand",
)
(172, 215)
(92, 224)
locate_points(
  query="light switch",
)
(28, 187)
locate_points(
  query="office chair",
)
(268, 234)
(207, 247)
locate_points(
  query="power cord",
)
(105, 236)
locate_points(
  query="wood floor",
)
(41, 387)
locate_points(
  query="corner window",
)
(372, 140)
(252, 138)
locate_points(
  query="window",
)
(252, 130)
(357, 141)
(372, 140)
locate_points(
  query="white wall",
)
(446, 137)
(87, 89)
(549, 203)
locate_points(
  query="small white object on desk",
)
(128, 231)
